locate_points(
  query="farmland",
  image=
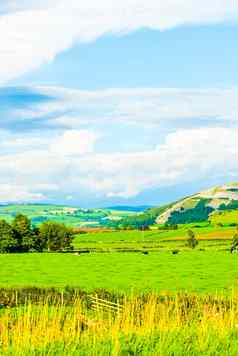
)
(159, 296)
(212, 237)
(138, 260)
(191, 271)
(71, 216)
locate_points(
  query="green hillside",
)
(226, 217)
(202, 206)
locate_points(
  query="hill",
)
(73, 216)
(201, 206)
(136, 209)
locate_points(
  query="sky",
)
(117, 103)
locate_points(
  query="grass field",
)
(183, 304)
(210, 237)
(193, 271)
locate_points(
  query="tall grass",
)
(145, 325)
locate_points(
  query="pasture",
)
(210, 237)
(155, 301)
(190, 271)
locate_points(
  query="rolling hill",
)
(201, 206)
(73, 216)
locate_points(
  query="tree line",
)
(138, 221)
(21, 236)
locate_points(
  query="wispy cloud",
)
(67, 108)
(36, 34)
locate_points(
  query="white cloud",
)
(17, 193)
(74, 142)
(67, 160)
(8, 6)
(66, 143)
(37, 34)
(185, 156)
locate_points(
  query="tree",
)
(234, 243)
(23, 233)
(192, 241)
(55, 236)
(38, 242)
(8, 241)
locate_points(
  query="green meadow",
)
(190, 271)
(210, 237)
(151, 260)
(123, 292)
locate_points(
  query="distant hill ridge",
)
(138, 208)
(200, 206)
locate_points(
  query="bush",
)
(192, 241)
(234, 243)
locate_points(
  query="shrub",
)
(234, 243)
(192, 241)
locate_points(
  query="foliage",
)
(140, 221)
(8, 240)
(199, 213)
(55, 236)
(23, 233)
(234, 242)
(233, 205)
(192, 241)
(21, 236)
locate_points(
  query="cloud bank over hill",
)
(185, 156)
(82, 150)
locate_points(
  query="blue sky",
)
(126, 103)
(190, 56)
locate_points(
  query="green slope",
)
(201, 206)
